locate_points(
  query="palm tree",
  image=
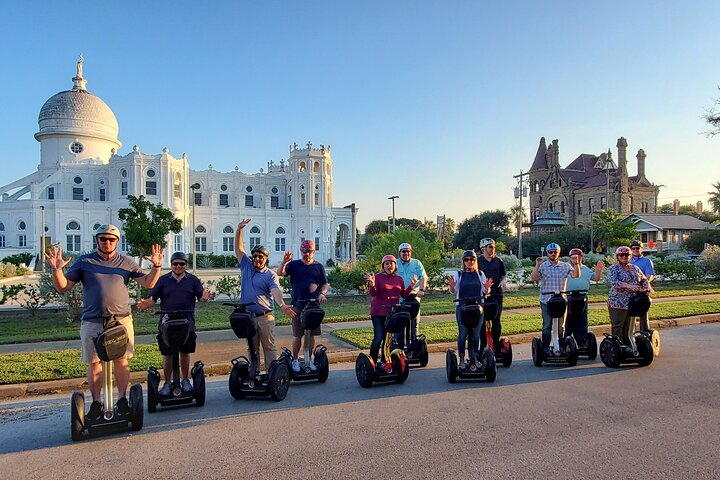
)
(515, 216)
(715, 198)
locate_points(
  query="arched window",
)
(200, 229)
(2, 227)
(254, 236)
(280, 239)
(228, 229)
(200, 238)
(72, 225)
(72, 237)
(21, 225)
(316, 167)
(301, 167)
(177, 185)
(228, 239)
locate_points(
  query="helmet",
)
(469, 254)
(178, 256)
(552, 246)
(307, 245)
(636, 243)
(261, 249)
(404, 246)
(576, 251)
(486, 241)
(107, 229)
(622, 249)
(389, 258)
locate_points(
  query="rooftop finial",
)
(78, 81)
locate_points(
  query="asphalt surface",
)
(587, 421)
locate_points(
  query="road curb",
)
(223, 368)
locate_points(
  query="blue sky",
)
(440, 103)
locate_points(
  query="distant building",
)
(666, 231)
(589, 184)
(82, 181)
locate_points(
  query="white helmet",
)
(107, 229)
(486, 241)
(404, 246)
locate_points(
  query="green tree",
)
(376, 227)
(146, 224)
(715, 198)
(697, 240)
(428, 252)
(493, 223)
(516, 214)
(610, 230)
(712, 118)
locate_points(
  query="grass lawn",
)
(438, 332)
(49, 325)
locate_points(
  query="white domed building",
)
(82, 181)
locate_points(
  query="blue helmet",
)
(552, 246)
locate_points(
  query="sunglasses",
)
(622, 255)
(306, 251)
(179, 264)
(634, 248)
(259, 255)
(468, 259)
(107, 239)
(552, 252)
(405, 251)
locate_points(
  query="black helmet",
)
(469, 254)
(261, 249)
(178, 256)
(636, 243)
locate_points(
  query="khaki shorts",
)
(90, 331)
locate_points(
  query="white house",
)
(82, 180)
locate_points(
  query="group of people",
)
(105, 273)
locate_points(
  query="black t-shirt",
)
(494, 269)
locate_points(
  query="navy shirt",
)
(177, 295)
(495, 269)
(305, 280)
(104, 284)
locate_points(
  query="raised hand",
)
(451, 283)
(206, 295)
(54, 258)
(243, 223)
(599, 266)
(157, 255)
(145, 303)
(539, 261)
(413, 281)
(288, 256)
(489, 284)
(370, 278)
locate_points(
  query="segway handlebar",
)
(238, 305)
(173, 312)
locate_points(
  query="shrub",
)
(285, 284)
(437, 279)
(229, 286)
(343, 279)
(10, 293)
(32, 299)
(71, 300)
(330, 263)
(18, 258)
(709, 262)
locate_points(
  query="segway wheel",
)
(490, 365)
(506, 353)
(610, 352)
(323, 366)
(152, 390)
(403, 374)
(537, 353)
(235, 382)
(655, 341)
(645, 350)
(592, 346)
(364, 371)
(136, 406)
(77, 416)
(451, 366)
(572, 351)
(423, 353)
(199, 387)
(279, 381)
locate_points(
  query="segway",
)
(645, 329)
(577, 306)
(563, 349)
(109, 345)
(175, 330)
(470, 314)
(415, 346)
(245, 377)
(392, 366)
(503, 350)
(310, 318)
(637, 348)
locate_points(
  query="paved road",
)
(584, 422)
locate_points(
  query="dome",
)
(77, 112)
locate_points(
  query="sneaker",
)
(186, 386)
(122, 406)
(462, 365)
(296, 366)
(96, 411)
(312, 366)
(165, 390)
(547, 352)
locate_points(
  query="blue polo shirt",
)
(583, 281)
(104, 284)
(644, 264)
(255, 286)
(178, 295)
(410, 269)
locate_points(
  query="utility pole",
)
(520, 191)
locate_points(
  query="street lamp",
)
(353, 236)
(42, 238)
(194, 187)
(393, 210)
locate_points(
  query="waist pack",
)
(174, 330)
(112, 341)
(470, 314)
(311, 317)
(397, 321)
(243, 324)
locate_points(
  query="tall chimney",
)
(622, 156)
(698, 207)
(641, 163)
(676, 206)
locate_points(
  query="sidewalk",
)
(217, 347)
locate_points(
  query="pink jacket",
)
(387, 292)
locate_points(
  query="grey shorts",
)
(90, 330)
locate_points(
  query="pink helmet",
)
(307, 245)
(622, 249)
(389, 258)
(575, 251)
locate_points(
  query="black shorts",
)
(187, 347)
